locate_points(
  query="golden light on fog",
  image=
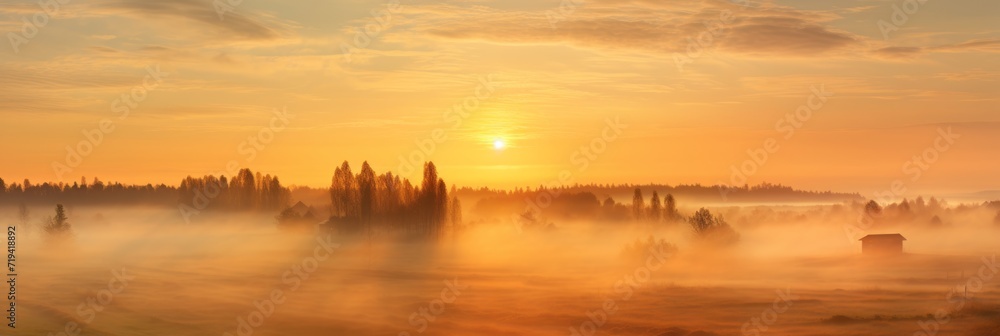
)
(487, 168)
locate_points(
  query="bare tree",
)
(712, 228)
(702, 221)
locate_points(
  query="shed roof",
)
(890, 236)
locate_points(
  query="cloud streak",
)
(982, 45)
(202, 13)
(653, 27)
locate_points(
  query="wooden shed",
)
(882, 244)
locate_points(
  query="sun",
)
(499, 144)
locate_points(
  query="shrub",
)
(58, 226)
(710, 228)
(640, 249)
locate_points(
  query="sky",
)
(860, 95)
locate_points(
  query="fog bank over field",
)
(222, 271)
(496, 167)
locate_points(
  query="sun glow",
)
(499, 144)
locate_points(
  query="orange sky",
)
(542, 78)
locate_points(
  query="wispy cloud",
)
(982, 45)
(655, 27)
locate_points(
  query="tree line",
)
(385, 202)
(658, 210)
(245, 191)
(84, 192)
(763, 192)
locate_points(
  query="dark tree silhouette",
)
(670, 213)
(376, 203)
(456, 214)
(936, 221)
(638, 205)
(904, 207)
(655, 208)
(244, 186)
(872, 209)
(934, 204)
(343, 191)
(277, 195)
(114, 193)
(441, 207)
(57, 226)
(366, 192)
(712, 228)
(366, 197)
(429, 198)
(608, 203)
(702, 221)
(246, 191)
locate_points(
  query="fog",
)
(795, 270)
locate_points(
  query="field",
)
(239, 275)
